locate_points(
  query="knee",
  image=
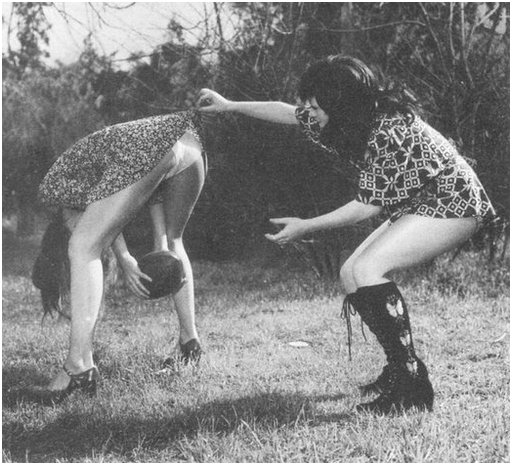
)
(366, 271)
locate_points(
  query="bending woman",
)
(97, 186)
(408, 170)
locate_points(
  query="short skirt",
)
(113, 158)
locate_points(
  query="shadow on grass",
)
(73, 436)
(15, 379)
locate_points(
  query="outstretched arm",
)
(348, 214)
(276, 112)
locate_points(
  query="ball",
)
(166, 271)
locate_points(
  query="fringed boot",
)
(404, 382)
(350, 305)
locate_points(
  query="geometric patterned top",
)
(409, 167)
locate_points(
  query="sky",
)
(124, 27)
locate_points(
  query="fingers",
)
(206, 100)
(290, 230)
(271, 237)
(280, 221)
(145, 276)
(279, 238)
(136, 286)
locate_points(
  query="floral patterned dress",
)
(410, 168)
(113, 158)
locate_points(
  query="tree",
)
(28, 22)
(453, 56)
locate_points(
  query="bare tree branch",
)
(378, 26)
(117, 6)
(434, 37)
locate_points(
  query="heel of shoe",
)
(87, 381)
(190, 352)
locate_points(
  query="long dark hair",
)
(348, 91)
(50, 273)
(51, 270)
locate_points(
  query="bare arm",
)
(159, 232)
(120, 249)
(130, 267)
(276, 112)
(348, 214)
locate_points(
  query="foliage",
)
(32, 35)
(47, 111)
(453, 56)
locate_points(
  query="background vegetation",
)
(453, 56)
(255, 397)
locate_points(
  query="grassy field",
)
(254, 397)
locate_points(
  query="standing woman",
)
(408, 170)
(97, 186)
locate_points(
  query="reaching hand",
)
(133, 274)
(211, 102)
(293, 229)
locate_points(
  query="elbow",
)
(374, 210)
(367, 210)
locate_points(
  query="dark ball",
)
(166, 270)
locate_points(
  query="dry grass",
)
(255, 398)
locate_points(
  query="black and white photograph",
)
(255, 232)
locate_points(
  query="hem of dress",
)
(481, 220)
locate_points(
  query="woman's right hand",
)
(133, 275)
(212, 102)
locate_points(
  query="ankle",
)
(188, 336)
(77, 366)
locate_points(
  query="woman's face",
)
(316, 112)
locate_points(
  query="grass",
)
(255, 398)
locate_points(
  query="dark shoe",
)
(86, 382)
(190, 353)
(380, 385)
(405, 391)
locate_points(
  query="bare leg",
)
(180, 196)
(409, 241)
(347, 279)
(95, 230)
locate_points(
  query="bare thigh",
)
(411, 240)
(103, 220)
(181, 193)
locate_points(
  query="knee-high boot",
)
(404, 382)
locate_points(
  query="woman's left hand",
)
(293, 229)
